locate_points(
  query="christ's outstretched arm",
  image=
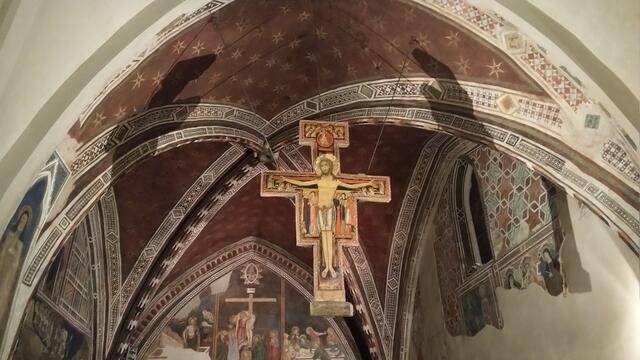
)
(300, 182)
(355, 186)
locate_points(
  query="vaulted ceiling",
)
(254, 60)
(265, 56)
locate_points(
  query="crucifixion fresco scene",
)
(319, 180)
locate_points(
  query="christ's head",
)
(327, 165)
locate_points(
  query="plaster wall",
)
(45, 43)
(598, 318)
(55, 57)
(596, 43)
(610, 32)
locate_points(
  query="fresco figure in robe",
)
(233, 349)
(191, 334)
(11, 248)
(549, 269)
(222, 345)
(333, 342)
(273, 346)
(510, 281)
(327, 168)
(244, 327)
(258, 348)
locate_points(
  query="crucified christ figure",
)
(327, 168)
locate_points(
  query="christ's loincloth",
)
(326, 219)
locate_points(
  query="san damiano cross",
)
(326, 209)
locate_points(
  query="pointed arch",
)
(201, 275)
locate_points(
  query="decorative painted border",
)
(93, 191)
(371, 298)
(175, 27)
(616, 156)
(98, 268)
(111, 229)
(91, 153)
(527, 109)
(520, 48)
(402, 230)
(523, 108)
(441, 169)
(561, 171)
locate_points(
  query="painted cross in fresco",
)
(326, 209)
(246, 319)
(251, 300)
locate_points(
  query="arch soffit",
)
(516, 144)
(587, 182)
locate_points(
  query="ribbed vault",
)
(175, 147)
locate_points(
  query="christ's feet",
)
(333, 273)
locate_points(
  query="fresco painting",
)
(479, 308)
(540, 266)
(251, 313)
(15, 242)
(549, 269)
(45, 334)
(516, 199)
(59, 320)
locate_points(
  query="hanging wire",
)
(380, 57)
(401, 75)
(384, 121)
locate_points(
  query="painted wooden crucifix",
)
(326, 209)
